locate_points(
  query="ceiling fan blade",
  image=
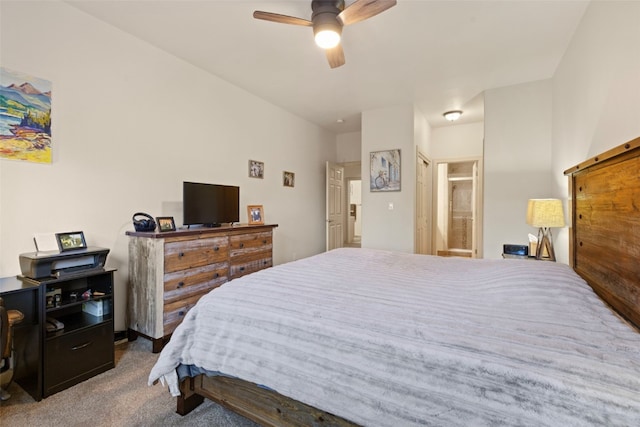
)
(335, 56)
(364, 9)
(282, 19)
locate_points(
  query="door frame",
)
(426, 189)
(347, 209)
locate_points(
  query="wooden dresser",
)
(170, 271)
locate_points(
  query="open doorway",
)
(457, 208)
(354, 224)
(343, 205)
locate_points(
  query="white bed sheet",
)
(393, 339)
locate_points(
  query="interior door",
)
(335, 206)
(423, 184)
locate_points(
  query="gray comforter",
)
(393, 339)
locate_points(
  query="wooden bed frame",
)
(604, 249)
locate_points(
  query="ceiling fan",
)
(327, 19)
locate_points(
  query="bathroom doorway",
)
(458, 208)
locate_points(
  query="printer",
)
(36, 265)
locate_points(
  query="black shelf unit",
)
(84, 347)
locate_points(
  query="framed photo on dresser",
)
(255, 214)
(166, 223)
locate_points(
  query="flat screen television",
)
(210, 204)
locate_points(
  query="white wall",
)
(422, 133)
(517, 160)
(388, 129)
(457, 141)
(129, 124)
(596, 92)
(348, 147)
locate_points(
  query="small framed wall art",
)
(255, 214)
(256, 169)
(385, 170)
(166, 223)
(71, 240)
(288, 179)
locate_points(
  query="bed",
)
(371, 337)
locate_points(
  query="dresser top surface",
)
(202, 230)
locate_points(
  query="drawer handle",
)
(81, 346)
(264, 242)
(265, 262)
(181, 313)
(180, 254)
(216, 248)
(241, 268)
(242, 245)
(215, 276)
(180, 284)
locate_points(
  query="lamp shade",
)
(545, 213)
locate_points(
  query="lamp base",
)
(545, 245)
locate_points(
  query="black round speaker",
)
(145, 224)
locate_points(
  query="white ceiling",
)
(437, 55)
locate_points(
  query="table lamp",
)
(545, 213)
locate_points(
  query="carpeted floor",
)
(118, 397)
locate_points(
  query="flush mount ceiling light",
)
(452, 116)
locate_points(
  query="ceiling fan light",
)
(452, 116)
(326, 27)
(327, 39)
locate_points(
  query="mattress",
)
(387, 339)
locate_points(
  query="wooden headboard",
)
(604, 246)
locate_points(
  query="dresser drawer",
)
(184, 283)
(185, 254)
(174, 312)
(240, 269)
(246, 244)
(76, 356)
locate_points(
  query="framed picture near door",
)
(385, 170)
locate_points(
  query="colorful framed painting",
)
(385, 170)
(25, 117)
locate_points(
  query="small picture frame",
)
(255, 214)
(166, 223)
(256, 169)
(71, 240)
(288, 179)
